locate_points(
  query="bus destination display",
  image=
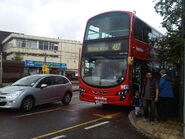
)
(104, 47)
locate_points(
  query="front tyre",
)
(67, 98)
(27, 104)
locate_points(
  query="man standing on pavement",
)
(165, 96)
(150, 96)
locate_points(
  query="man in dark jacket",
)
(165, 96)
(150, 96)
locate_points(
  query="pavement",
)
(171, 129)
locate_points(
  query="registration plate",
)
(101, 101)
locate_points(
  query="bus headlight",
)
(82, 90)
(122, 97)
(124, 92)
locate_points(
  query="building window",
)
(8, 45)
(20, 43)
(31, 44)
(53, 46)
(43, 45)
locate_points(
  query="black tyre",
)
(67, 98)
(27, 104)
(105, 105)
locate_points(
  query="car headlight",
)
(13, 96)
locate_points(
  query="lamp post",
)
(44, 71)
(61, 70)
(1, 68)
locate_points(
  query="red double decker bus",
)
(115, 55)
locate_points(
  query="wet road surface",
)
(79, 120)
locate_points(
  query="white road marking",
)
(35, 113)
(96, 125)
(59, 137)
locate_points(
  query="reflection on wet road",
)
(78, 120)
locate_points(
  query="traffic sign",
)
(45, 68)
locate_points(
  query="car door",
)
(60, 87)
(46, 94)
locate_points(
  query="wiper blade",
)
(26, 85)
(16, 85)
(20, 85)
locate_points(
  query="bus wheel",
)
(105, 105)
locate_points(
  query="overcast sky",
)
(66, 19)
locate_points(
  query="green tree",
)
(172, 13)
(172, 43)
(18, 57)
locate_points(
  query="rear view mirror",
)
(43, 86)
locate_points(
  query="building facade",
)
(59, 56)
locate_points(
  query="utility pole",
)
(44, 58)
(183, 36)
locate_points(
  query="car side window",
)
(48, 80)
(58, 80)
(65, 80)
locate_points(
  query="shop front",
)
(39, 67)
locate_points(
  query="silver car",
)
(35, 90)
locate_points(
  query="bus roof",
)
(130, 14)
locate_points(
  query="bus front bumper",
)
(115, 100)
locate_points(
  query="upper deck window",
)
(108, 25)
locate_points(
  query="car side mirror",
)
(43, 86)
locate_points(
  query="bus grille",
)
(99, 92)
(2, 103)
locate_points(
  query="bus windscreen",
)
(104, 71)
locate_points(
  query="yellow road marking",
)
(68, 128)
(79, 125)
(99, 115)
(66, 109)
(108, 116)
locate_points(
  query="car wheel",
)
(27, 104)
(67, 98)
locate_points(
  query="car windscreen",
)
(27, 81)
